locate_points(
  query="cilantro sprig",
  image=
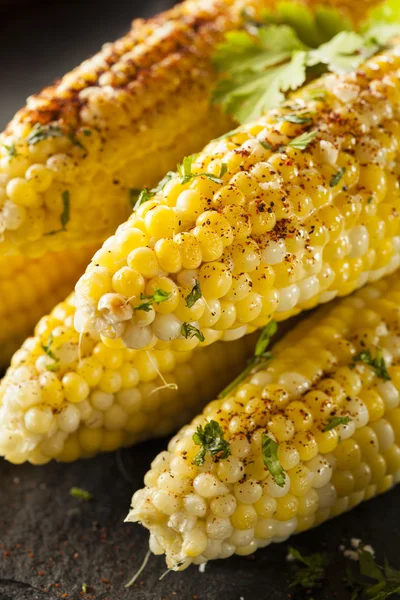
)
(312, 574)
(190, 331)
(139, 197)
(43, 132)
(65, 214)
(11, 149)
(186, 174)
(335, 422)
(376, 582)
(378, 363)
(47, 348)
(257, 361)
(269, 450)
(158, 297)
(263, 62)
(211, 439)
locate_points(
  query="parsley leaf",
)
(377, 363)
(11, 149)
(158, 297)
(189, 331)
(194, 295)
(145, 194)
(311, 575)
(343, 53)
(65, 215)
(376, 582)
(44, 132)
(47, 349)
(337, 177)
(270, 458)
(257, 361)
(297, 119)
(77, 492)
(301, 142)
(335, 422)
(211, 438)
(134, 194)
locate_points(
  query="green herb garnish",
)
(271, 461)
(77, 492)
(312, 574)
(189, 331)
(377, 363)
(337, 177)
(11, 149)
(44, 132)
(301, 142)
(186, 174)
(376, 582)
(257, 361)
(296, 119)
(145, 194)
(211, 439)
(48, 350)
(335, 422)
(158, 297)
(84, 588)
(194, 295)
(65, 215)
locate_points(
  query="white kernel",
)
(321, 470)
(288, 298)
(136, 337)
(242, 537)
(308, 288)
(38, 420)
(166, 327)
(294, 383)
(359, 240)
(69, 418)
(195, 505)
(115, 308)
(165, 502)
(100, 400)
(358, 412)
(271, 488)
(218, 528)
(326, 496)
(389, 394)
(182, 522)
(274, 253)
(209, 486)
(385, 434)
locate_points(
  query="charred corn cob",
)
(308, 437)
(88, 140)
(30, 287)
(66, 398)
(278, 216)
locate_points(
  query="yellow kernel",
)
(190, 250)
(144, 261)
(161, 222)
(374, 403)
(244, 517)
(76, 389)
(348, 455)
(21, 192)
(301, 480)
(305, 444)
(286, 507)
(128, 282)
(168, 255)
(300, 414)
(215, 280)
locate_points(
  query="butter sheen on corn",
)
(234, 505)
(279, 231)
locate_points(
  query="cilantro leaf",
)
(301, 142)
(65, 215)
(335, 422)
(271, 461)
(48, 350)
(257, 361)
(145, 194)
(342, 54)
(377, 363)
(43, 132)
(337, 177)
(297, 119)
(194, 295)
(186, 174)
(11, 149)
(77, 492)
(158, 297)
(189, 331)
(312, 574)
(376, 582)
(211, 439)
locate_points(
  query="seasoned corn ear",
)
(278, 216)
(67, 398)
(71, 157)
(30, 287)
(310, 436)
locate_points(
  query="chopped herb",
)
(134, 194)
(224, 169)
(86, 132)
(376, 582)
(185, 171)
(77, 492)
(211, 439)
(65, 215)
(47, 349)
(190, 331)
(297, 119)
(44, 132)
(257, 361)
(370, 199)
(271, 461)
(312, 574)
(335, 422)
(301, 142)
(377, 363)
(158, 297)
(337, 177)
(146, 194)
(11, 149)
(318, 94)
(194, 295)
(84, 588)
(266, 145)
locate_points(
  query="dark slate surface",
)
(52, 543)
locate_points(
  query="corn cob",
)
(67, 398)
(280, 215)
(30, 287)
(310, 436)
(93, 134)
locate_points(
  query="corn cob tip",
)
(310, 436)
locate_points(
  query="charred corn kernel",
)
(347, 455)
(266, 267)
(29, 287)
(93, 398)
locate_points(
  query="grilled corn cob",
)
(280, 215)
(67, 398)
(30, 287)
(93, 134)
(310, 436)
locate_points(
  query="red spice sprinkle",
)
(40, 573)
(76, 555)
(105, 580)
